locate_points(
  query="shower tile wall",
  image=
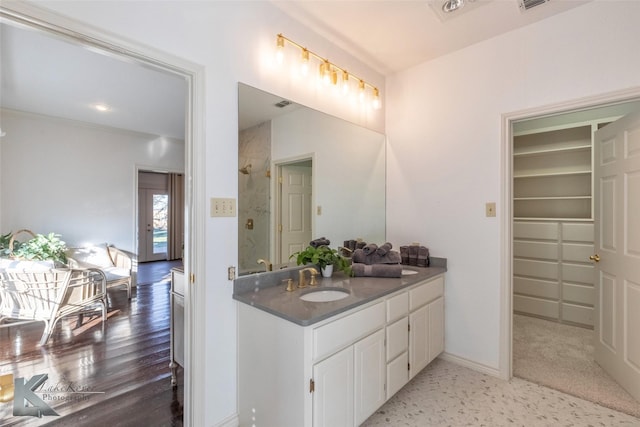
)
(254, 196)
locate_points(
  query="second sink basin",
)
(324, 295)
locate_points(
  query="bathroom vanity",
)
(334, 363)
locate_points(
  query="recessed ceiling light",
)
(101, 107)
(451, 5)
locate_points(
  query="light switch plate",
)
(491, 209)
(223, 207)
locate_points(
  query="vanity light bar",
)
(329, 71)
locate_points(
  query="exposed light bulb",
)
(325, 71)
(361, 93)
(304, 62)
(345, 82)
(280, 49)
(376, 99)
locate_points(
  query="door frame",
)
(276, 167)
(142, 168)
(53, 24)
(505, 361)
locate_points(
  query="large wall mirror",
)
(303, 174)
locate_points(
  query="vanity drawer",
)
(333, 336)
(397, 307)
(426, 292)
(397, 374)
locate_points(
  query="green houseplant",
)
(39, 248)
(323, 256)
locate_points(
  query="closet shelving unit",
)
(553, 223)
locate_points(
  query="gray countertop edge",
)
(265, 292)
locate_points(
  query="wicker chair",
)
(115, 263)
(49, 295)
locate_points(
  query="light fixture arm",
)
(332, 70)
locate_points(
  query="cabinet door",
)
(333, 394)
(436, 328)
(370, 374)
(418, 340)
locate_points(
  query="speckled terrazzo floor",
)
(447, 394)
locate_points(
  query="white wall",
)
(349, 173)
(444, 130)
(76, 180)
(235, 42)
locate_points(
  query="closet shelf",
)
(536, 152)
(554, 198)
(544, 174)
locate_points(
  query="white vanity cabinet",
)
(338, 371)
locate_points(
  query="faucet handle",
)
(314, 281)
(290, 286)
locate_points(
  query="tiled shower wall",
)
(254, 196)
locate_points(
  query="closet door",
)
(617, 257)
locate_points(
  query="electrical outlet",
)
(231, 273)
(223, 207)
(490, 209)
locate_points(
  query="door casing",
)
(505, 363)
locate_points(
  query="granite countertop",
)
(266, 291)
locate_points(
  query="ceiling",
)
(55, 77)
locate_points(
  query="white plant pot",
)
(327, 271)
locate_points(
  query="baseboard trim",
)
(479, 367)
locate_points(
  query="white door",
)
(153, 217)
(333, 393)
(418, 340)
(617, 245)
(295, 210)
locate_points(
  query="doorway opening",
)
(107, 45)
(293, 202)
(160, 216)
(551, 286)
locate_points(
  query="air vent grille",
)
(283, 103)
(528, 4)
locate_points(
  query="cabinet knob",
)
(595, 258)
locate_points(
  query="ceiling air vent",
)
(528, 4)
(282, 103)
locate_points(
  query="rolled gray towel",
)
(423, 257)
(370, 248)
(392, 257)
(322, 241)
(413, 255)
(376, 270)
(359, 256)
(404, 254)
(383, 249)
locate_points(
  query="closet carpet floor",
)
(561, 357)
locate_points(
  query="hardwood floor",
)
(119, 372)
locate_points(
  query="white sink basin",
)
(406, 272)
(324, 295)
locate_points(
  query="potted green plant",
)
(325, 258)
(39, 248)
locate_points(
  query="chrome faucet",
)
(267, 265)
(302, 278)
